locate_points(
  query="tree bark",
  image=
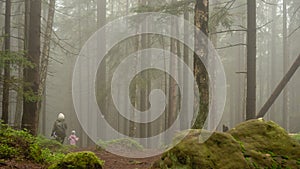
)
(251, 60)
(273, 58)
(101, 21)
(31, 75)
(6, 79)
(285, 112)
(186, 59)
(172, 101)
(200, 72)
(45, 59)
(18, 111)
(279, 88)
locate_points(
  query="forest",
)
(171, 84)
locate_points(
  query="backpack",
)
(60, 128)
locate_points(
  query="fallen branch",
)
(279, 88)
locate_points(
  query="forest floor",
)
(112, 161)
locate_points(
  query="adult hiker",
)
(59, 128)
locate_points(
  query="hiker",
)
(59, 128)
(73, 138)
(225, 128)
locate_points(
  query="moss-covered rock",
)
(267, 144)
(79, 160)
(190, 154)
(252, 144)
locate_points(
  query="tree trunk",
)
(6, 79)
(31, 75)
(101, 21)
(45, 58)
(251, 60)
(273, 57)
(18, 112)
(285, 112)
(200, 73)
(279, 88)
(172, 101)
(186, 59)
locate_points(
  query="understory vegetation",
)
(21, 145)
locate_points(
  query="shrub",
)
(7, 152)
(79, 160)
(21, 144)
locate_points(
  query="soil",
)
(112, 161)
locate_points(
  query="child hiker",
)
(73, 138)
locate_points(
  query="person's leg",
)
(57, 139)
(62, 140)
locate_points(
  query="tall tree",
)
(19, 97)
(285, 67)
(273, 56)
(101, 21)
(251, 60)
(30, 117)
(185, 79)
(5, 100)
(45, 59)
(173, 67)
(200, 73)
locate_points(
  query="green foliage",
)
(30, 96)
(18, 141)
(17, 60)
(50, 157)
(79, 160)
(52, 145)
(7, 152)
(174, 8)
(21, 144)
(122, 143)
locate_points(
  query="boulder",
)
(250, 145)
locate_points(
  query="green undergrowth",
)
(79, 160)
(20, 144)
(124, 143)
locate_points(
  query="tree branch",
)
(230, 46)
(293, 31)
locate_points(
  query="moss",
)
(191, 154)
(267, 144)
(252, 144)
(296, 137)
(79, 160)
(124, 143)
